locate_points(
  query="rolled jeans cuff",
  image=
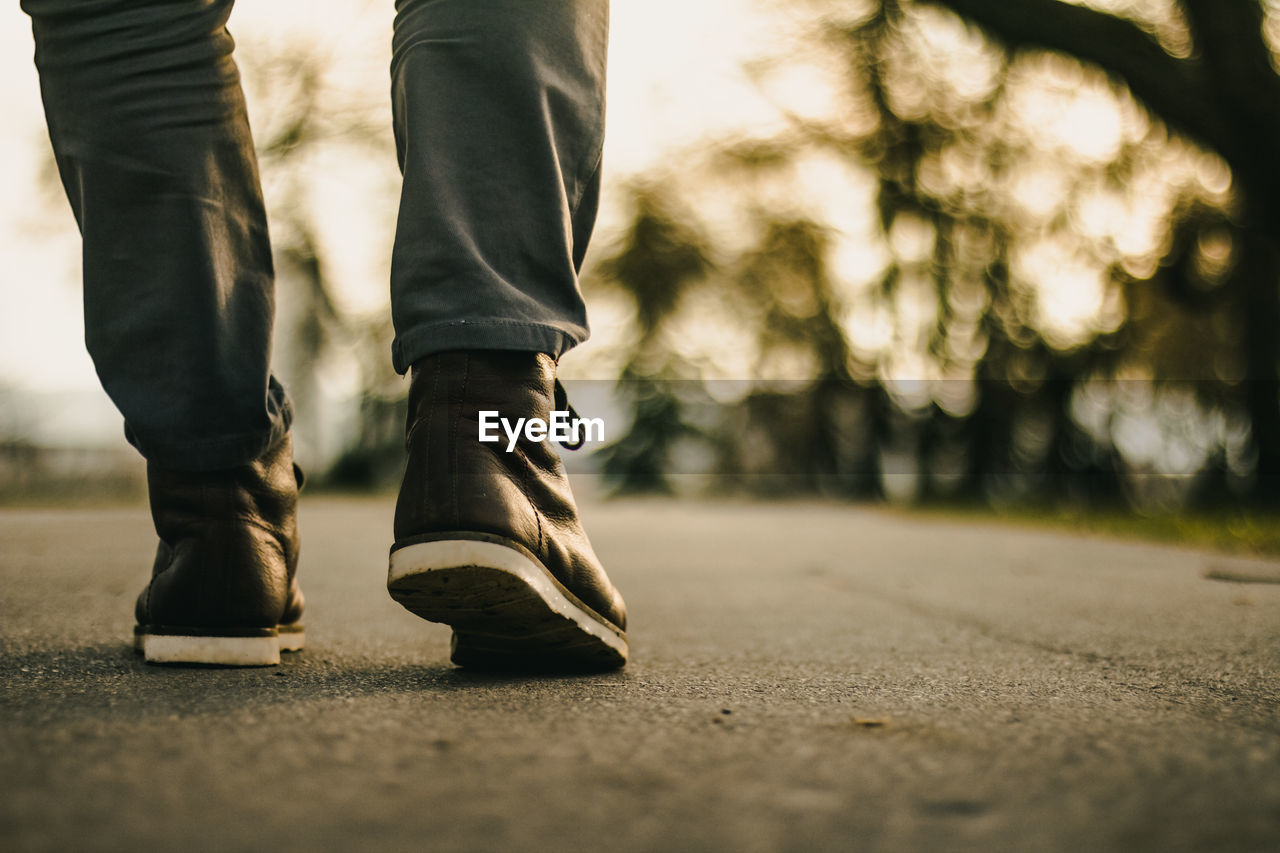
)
(213, 453)
(490, 334)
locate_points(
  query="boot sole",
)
(189, 646)
(506, 610)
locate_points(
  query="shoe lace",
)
(563, 405)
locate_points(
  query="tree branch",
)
(1237, 64)
(1173, 89)
(1236, 57)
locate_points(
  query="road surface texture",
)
(805, 676)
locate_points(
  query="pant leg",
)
(499, 123)
(149, 130)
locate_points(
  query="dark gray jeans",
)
(498, 112)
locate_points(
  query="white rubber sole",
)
(505, 608)
(218, 651)
(292, 638)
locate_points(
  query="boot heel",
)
(292, 638)
(261, 650)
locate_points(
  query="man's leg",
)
(499, 122)
(149, 130)
(152, 142)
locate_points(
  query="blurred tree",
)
(1221, 90)
(1033, 287)
(815, 433)
(658, 259)
(302, 115)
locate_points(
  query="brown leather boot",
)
(488, 540)
(223, 589)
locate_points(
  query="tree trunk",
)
(1259, 272)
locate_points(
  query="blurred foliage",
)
(659, 259)
(1031, 262)
(1243, 532)
(990, 253)
(308, 123)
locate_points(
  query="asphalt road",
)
(804, 677)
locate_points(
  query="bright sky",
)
(674, 75)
